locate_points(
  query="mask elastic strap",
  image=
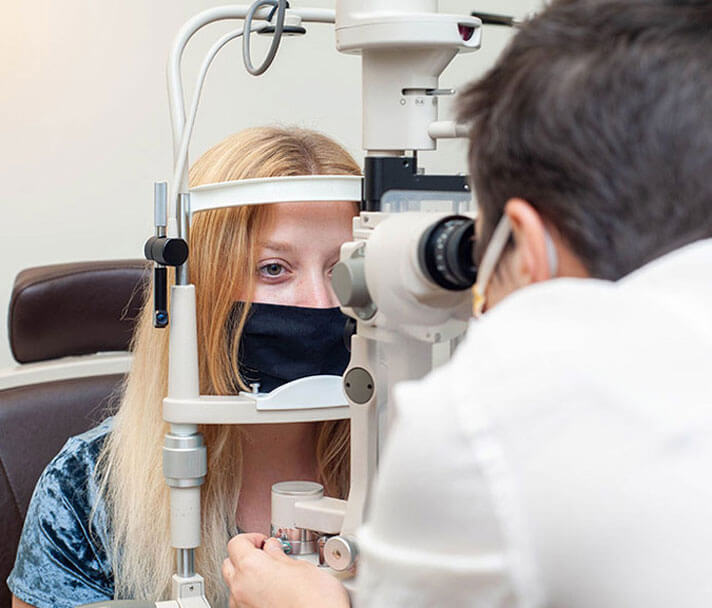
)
(494, 250)
(552, 256)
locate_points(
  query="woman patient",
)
(98, 524)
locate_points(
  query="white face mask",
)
(491, 258)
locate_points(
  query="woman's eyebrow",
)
(279, 246)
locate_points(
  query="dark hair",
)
(599, 113)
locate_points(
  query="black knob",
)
(166, 251)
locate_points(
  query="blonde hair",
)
(222, 256)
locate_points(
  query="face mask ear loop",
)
(494, 250)
(552, 256)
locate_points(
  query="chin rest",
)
(60, 319)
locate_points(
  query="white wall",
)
(84, 122)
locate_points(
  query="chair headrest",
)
(75, 309)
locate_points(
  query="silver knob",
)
(340, 553)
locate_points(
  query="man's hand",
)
(260, 575)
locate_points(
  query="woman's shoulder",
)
(72, 471)
(62, 558)
(81, 452)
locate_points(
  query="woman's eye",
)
(271, 270)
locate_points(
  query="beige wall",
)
(84, 123)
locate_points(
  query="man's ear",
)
(531, 256)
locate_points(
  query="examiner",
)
(562, 458)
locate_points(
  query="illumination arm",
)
(180, 170)
(221, 13)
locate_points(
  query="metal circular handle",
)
(340, 553)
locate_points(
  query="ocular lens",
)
(445, 253)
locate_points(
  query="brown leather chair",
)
(59, 318)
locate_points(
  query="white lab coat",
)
(563, 458)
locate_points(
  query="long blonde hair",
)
(222, 256)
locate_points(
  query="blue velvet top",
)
(62, 557)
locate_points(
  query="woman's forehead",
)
(307, 223)
(319, 212)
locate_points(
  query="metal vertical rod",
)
(185, 562)
(183, 218)
(160, 207)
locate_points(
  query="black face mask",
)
(283, 343)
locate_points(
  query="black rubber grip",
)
(160, 297)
